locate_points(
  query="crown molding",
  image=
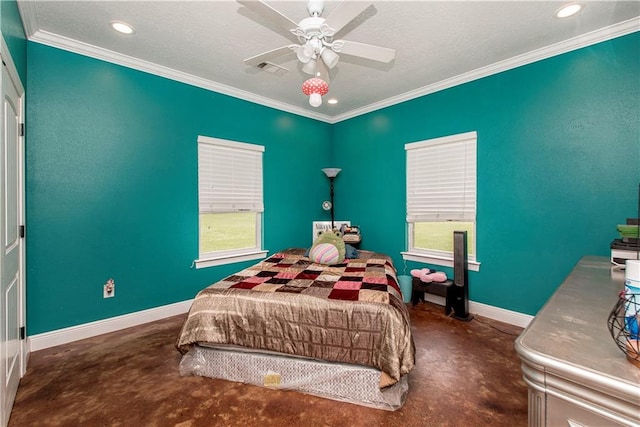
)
(588, 39)
(29, 19)
(27, 10)
(85, 49)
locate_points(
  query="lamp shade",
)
(315, 88)
(331, 172)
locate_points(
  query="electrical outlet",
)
(109, 289)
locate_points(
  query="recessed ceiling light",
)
(568, 10)
(332, 101)
(122, 27)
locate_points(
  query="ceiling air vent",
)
(272, 68)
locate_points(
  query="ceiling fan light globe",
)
(310, 67)
(315, 100)
(304, 53)
(329, 57)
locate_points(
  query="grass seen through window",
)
(227, 231)
(237, 230)
(439, 235)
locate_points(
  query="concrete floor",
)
(466, 374)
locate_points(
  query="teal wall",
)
(111, 185)
(13, 34)
(558, 167)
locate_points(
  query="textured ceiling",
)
(438, 43)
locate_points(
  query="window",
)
(230, 202)
(441, 198)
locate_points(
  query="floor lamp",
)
(328, 205)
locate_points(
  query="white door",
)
(11, 244)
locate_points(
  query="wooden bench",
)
(443, 289)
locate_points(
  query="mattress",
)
(349, 313)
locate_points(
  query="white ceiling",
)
(439, 44)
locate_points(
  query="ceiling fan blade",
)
(268, 12)
(364, 50)
(269, 55)
(344, 13)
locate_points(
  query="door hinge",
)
(23, 332)
(22, 231)
(21, 129)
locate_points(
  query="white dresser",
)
(577, 376)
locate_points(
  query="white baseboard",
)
(88, 330)
(489, 311)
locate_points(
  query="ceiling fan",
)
(316, 48)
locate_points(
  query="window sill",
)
(229, 259)
(437, 260)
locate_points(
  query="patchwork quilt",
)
(349, 313)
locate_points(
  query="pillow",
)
(350, 252)
(324, 253)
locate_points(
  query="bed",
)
(339, 331)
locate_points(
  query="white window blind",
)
(229, 176)
(441, 179)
